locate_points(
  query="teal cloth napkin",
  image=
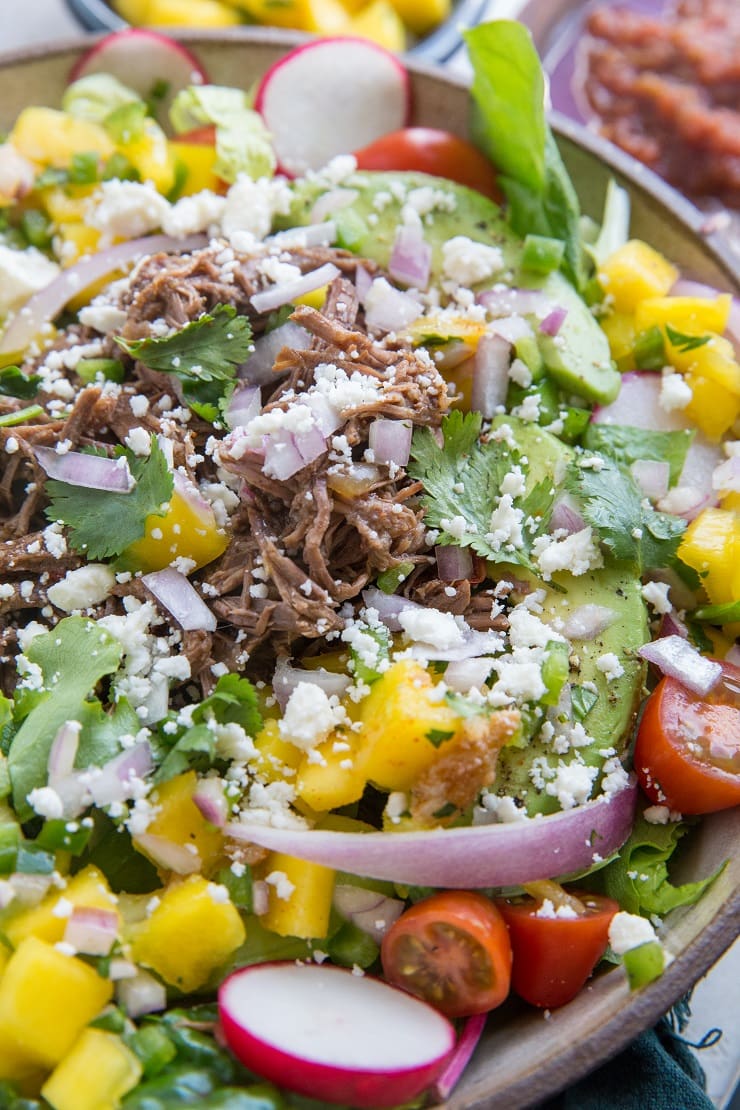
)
(658, 1071)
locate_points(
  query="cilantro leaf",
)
(611, 503)
(582, 701)
(638, 878)
(627, 445)
(104, 524)
(207, 349)
(463, 478)
(685, 342)
(72, 659)
(14, 383)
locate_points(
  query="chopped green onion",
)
(36, 226)
(725, 613)
(83, 168)
(649, 350)
(350, 946)
(10, 839)
(20, 416)
(644, 964)
(109, 368)
(179, 182)
(390, 580)
(118, 167)
(575, 422)
(542, 254)
(67, 836)
(554, 670)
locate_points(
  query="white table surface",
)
(716, 1000)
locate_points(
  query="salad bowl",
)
(524, 1055)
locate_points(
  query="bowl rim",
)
(642, 1009)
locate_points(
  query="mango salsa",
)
(300, 896)
(95, 1074)
(633, 273)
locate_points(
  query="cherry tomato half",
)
(453, 951)
(687, 754)
(553, 955)
(428, 150)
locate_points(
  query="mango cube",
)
(277, 759)
(199, 160)
(689, 315)
(180, 821)
(51, 137)
(89, 887)
(633, 272)
(150, 154)
(190, 934)
(188, 529)
(380, 22)
(300, 896)
(400, 724)
(47, 999)
(711, 545)
(621, 332)
(94, 1075)
(336, 779)
(420, 16)
(191, 13)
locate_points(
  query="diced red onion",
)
(410, 261)
(467, 1042)
(687, 288)
(179, 597)
(259, 367)
(17, 174)
(121, 969)
(89, 471)
(282, 457)
(388, 606)
(311, 443)
(118, 779)
(390, 440)
(389, 309)
(63, 751)
(502, 301)
(463, 675)
(260, 897)
(192, 496)
(490, 375)
(287, 677)
(142, 994)
(727, 475)
(308, 235)
(245, 404)
(371, 912)
(554, 321)
(672, 625)
(651, 477)
(587, 622)
(332, 201)
(327, 418)
(473, 857)
(454, 353)
(210, 798)
(566, 516)
(681, 596)
(285, 292)
(638, 405)
(48, 302)
(74, 793)
(28, 890)
(511, 328)
(363, 281)
(168, 855)
(91, 930)
(676, 657)
(453, 563)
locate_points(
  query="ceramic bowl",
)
(438, 46)
(522, 1057)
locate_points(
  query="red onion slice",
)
(390, 440)
(168, 855)
(388, 606)
(141, 994)
(566, 516)
(554, 321)
(307, 235)
(480, 856)
(118, 779)
(89, 471)
(210, 798)
(259, 367)
(672, 625)
(466, 1045)
(282, 457)
(371, 912)
(91, 931)
(287, 677)
(389, 309)
(490, 375)
(727, 475)
(674, 656)
(43, 306)
(638, 405)
(410, 262)
(182, 601)
(651, 477)
(63, 751)
(363, 281)
(311, 444)
(285, 292)
(245, 404)
(502, 301)
(332, 201)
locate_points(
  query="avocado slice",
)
(578, 358)
(612, 717)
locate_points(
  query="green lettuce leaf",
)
(242, 142)
(94, 97)
(638, 879)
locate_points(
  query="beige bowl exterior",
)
(522, 1057)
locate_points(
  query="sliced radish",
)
(334, 1036)
(329, 97)
(141, 59)
(638, 404)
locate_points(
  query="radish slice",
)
(334, 1036)
(475, 857)
(638, 405)
(141, 58)
(472, 1032)
(330, 96)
